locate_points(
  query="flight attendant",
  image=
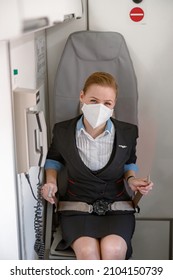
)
(99, 152)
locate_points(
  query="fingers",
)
(48, 192)
(145, 189)
(143, 185)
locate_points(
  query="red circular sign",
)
(136, 14)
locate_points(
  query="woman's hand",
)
(48, 192)
(141, 185)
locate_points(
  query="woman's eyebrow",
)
(99, 99)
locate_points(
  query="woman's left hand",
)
(141, 185)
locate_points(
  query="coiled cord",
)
(39, 246)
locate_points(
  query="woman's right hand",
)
(48, 191)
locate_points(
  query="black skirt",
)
(75, 225)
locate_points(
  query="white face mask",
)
(96, 114)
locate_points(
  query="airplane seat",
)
(86, 52)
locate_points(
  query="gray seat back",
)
(86, 52)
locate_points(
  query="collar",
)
(80, 126)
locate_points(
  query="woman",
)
(99, 153)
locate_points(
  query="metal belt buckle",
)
(100, 207)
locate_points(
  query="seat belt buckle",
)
(100, 207)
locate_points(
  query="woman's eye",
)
(107, 104)
(93, 101)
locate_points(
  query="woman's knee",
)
(88, 252)
(113, 247)
(86, 248)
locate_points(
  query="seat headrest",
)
(86, 52)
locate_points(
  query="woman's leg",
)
(86, 248)
(113, 247)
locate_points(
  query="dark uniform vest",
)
(82, 183)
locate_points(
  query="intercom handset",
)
(37, 138)
(30, 129)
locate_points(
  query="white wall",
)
(150, 43)
(22, 16)
(26, 54)
(17, 211)
(9, 233)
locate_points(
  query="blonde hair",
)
(101, 79)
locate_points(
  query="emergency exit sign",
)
(136, 14)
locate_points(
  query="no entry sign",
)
(136, 14)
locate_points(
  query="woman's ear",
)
(81, 96)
